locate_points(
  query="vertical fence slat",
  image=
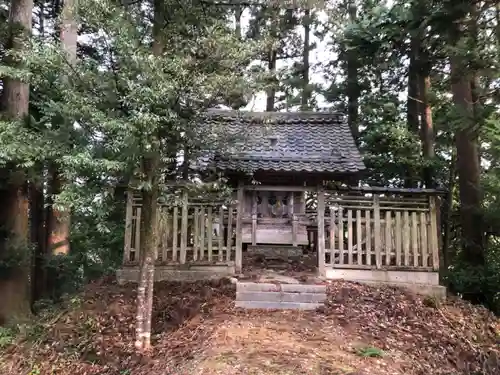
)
(376, 229)
(340, 236)
(202, 232)
(406, 237)
(434, 233)
(166, 230)
(388, 238)
(221, 234)
(175, 234)
(423, 236)
(294, 219)
(398, 231)
(128, 228)
(254, 218)
(210, 232)
(229, 240)
(332, 235)
(368, 247)
(196, 232)
(349, 237)
(238, 260)
(137, 245)
(359, 235)
(184, 228)
(321, 232)
(414, 238)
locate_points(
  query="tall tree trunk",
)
(59, 221)
(38, 234)
(272, 59)
(148, 240)
(412, 105)
(15, 287)
(467, 144)
(426, 128)
(237, 20)
(447, 254)
(352, 82)
(306, 90)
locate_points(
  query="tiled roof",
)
(287, 141)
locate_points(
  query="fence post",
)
(239, 239)
(184, 227)
(376, 228)
(434, 236)
(321, 231)
(128, 227)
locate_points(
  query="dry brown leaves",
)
(454, 338)
(196, 330)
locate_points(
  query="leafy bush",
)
(478, 284)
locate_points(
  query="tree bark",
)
(237, 19)
(15, 287)
(467, 145)
(426, 128)
(59, 221)
(352, 83)
(412, 104)
(148, 240)
(272, 59)
(306, 91)
(38, 236)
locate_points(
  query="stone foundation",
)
(275, 252)
(130, 274)
(421, 282)
(279, 296)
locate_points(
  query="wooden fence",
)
(189, 233)
(379, 231)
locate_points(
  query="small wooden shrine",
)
(284, 169)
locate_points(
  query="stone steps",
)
(279, 296)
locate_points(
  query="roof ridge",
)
(297, 114)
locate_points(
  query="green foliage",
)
(7, 336)
(480, 284)
(16, 255)
(371, 352)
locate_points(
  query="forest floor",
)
(361, 330)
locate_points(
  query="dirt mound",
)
(449, 338)
(196, 330)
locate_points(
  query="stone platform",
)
(274, 291)
(275, 251)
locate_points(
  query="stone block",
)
(281, 297)
(290, 288)
(277, 305)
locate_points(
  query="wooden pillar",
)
(434, 233)
(239, 240)
(184, 227)
(254, 218)
(376, 229)
(321, 231)
(128, 227)
(294, 218)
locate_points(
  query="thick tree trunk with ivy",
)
(352, 81)
(426, 128)
(38, 235)
(14, 251)
(412, 104)
(467, 145)
(59, 221)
